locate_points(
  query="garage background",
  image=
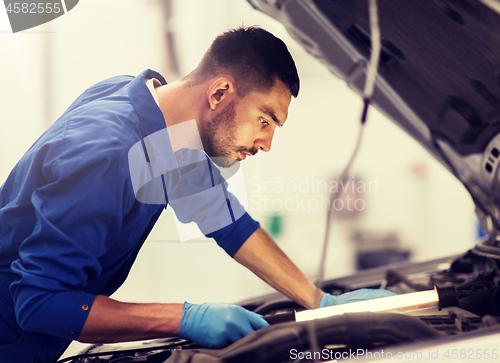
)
(409, 201)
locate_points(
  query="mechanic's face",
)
(246, 125)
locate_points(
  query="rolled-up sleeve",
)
(232, 237)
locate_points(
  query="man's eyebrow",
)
(273, 116)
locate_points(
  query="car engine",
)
(474, 276)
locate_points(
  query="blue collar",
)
(149, 113)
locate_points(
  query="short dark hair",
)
(254, 57)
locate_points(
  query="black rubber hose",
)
(280, 318)
(276, 305)
(393, 277)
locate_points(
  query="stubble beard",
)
(217, 136)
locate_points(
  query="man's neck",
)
(179, 103)
(180, 107)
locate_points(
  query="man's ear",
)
(221, 92)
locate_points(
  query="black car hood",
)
(438, 77)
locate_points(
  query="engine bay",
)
(474, 276)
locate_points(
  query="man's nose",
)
(264, 142)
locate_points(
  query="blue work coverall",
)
(71, 222)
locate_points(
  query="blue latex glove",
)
(353, 296)
(217, 325)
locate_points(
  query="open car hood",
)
(438, 76)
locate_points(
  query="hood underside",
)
(438, 76)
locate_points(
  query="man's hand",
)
(217, 325)
(353, 296)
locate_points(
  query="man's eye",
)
(264, 121)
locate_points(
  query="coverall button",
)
(85, 307)
(180, 160)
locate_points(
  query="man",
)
(78, 206)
